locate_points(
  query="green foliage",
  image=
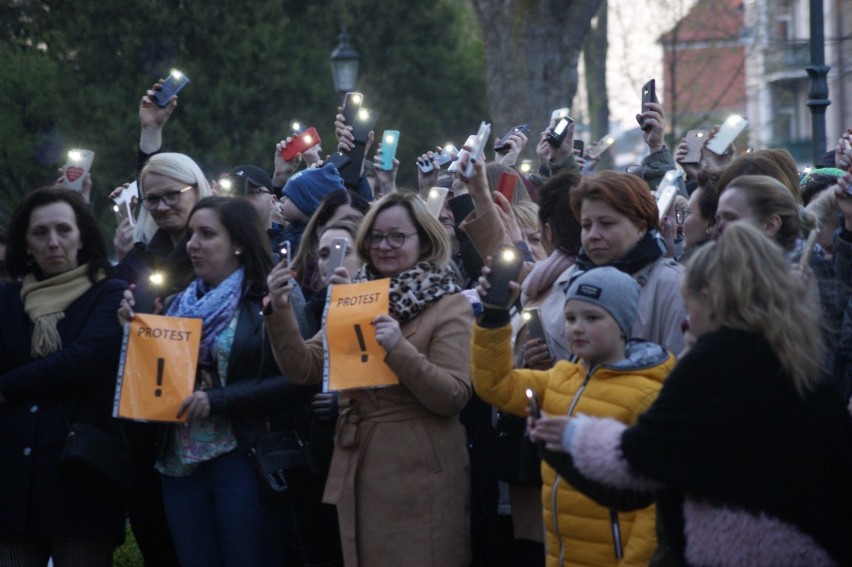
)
(73, 74)
(128, 554)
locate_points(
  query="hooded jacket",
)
(580, 532)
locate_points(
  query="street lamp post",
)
(344, 64)
(818, 84)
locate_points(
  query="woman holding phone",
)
(400, 474)
(213, 498)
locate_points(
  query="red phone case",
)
(507, 185)
(307, 139)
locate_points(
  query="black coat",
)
(729, 428)
(256, 393)
(43, 398)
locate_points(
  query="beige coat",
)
(400, 475)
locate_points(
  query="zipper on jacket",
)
(616, 534)
(553, 508)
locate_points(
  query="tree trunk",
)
(531, 52)
(594, 58)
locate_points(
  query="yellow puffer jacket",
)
(581, 532)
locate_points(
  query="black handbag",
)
(282, 458)
(98, 462)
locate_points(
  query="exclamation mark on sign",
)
(160, 363)
(361, 343)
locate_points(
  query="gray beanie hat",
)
(610, 289)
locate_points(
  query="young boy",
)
(615, 377)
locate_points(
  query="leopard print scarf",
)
(413, 290)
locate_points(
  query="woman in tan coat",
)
(400, 473)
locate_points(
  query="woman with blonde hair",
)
(748, 398)
(400, 471)
(157, 265)
(526, 213)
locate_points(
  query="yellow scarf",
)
(45, 302)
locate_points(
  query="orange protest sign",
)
(159, 358)
(353, 358)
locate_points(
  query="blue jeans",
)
(217, 518)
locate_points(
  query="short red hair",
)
(624, 192)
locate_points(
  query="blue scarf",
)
(214, 306)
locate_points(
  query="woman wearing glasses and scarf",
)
(400, 474)
(157, 266)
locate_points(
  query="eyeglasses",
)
(255, 191)
(681, 214)
(170, 198)
(395, 239)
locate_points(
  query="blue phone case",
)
(169, 88)
(390, 141)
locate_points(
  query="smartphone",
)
(535, 406)
(559, 113)
(505, 266)
(170, 87)
(598, 149)
(532, 317)
(579, 147)
(284, 252)
(445, 156)
(123, 211)
(695, 140)
(501, 147)
(507, 184)
(667, 191)
(235, 185)
(339, 160)
(559, 132)
(478, 147)
(465, 150)
(435, 200)
(78, 165)
(123, 207)
(363, 125)
(649, 94)
(301, 142)
(390, 141)
(336, 256)
(426, 166)
(733, 127)
(351, 106)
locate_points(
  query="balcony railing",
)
(788, 56)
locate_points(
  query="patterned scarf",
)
(214, 306)
(45, 302)
(413, 290)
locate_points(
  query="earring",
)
(237, 252)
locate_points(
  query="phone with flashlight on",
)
(170, 87)
(506, 264)
(534, 404)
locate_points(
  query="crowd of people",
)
(664, 387)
